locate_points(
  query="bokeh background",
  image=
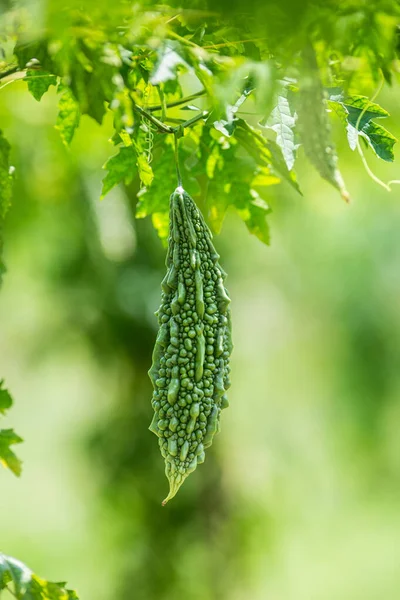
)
(299, 498)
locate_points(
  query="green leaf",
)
(265, 152)
(232, 186)
(120, 167)
(227, 125)
(145, 171)
(6, 178)
(5, 399)
(254, 216)
(154, 200)
(69, 115)
(39, 82)
(380, 139)
(282, 120)
(357, 105)
(25, 585)
(8, 437)
(314, 125)
(357, 112)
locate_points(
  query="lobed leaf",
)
(357, 113)
(120, 167)
(25, 585)
(39, 82)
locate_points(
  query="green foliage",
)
(357, 112)
(8, 437)
(190, 370)
(121, 167)
(129, 69)
(39, 82)
(25, 585)
(314, 125)
(5, 177)
(282, 120)
(69, 115)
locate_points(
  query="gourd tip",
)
(174, 485)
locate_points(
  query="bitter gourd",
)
(190, 370)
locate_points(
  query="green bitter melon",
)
(190, 370)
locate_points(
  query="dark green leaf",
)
(380, 139)
(357, 113)
(360, 105)
(5, 399)
(265, 152)
(120, 167)
(39, 82)
(5, 177)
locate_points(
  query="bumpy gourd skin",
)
(190, 370)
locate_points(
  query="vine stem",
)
(177, 102)
(176, 154)
(9, 72)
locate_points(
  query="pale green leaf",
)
(282, 120)
(69, 115)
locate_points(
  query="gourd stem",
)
(178, 173)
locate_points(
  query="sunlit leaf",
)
(282, 120)
(68, 116)
(357, 112)
(25, 585)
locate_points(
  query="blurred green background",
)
(299, 498)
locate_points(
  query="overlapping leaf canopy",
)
(243, 66)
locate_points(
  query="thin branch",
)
(161, 95)
(9, 72)
(178, 102)
(234, 43)
(193, 120)
(162, 127)
(176, 154)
